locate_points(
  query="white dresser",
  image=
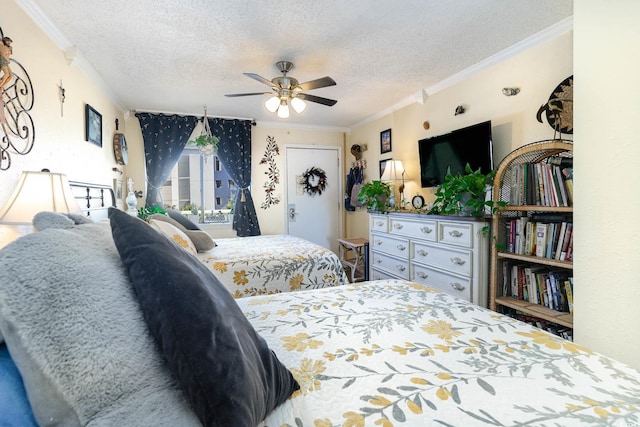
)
(449, 253)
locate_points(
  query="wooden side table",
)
(352, 256)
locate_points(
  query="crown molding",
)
(72, 54)
(538, 39)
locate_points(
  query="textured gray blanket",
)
(76, 333)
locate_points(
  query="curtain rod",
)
(196, 115)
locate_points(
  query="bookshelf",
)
(531, 265)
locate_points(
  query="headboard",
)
(94, 199)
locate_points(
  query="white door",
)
(314, 213)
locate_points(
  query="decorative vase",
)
(131, 199)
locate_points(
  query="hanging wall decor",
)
(559, 108)
(273, 173)
(17, 133)
(314, 181)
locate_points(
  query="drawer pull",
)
(458, 261)
(457, 286)
(422, 274)
(426, 230)
(378, 260)
(401, 267)
(422, 252)
(401, 247)
(398, 226)
(378, 242)
(455, 233)
(380, 223)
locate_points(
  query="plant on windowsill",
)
(374, 195)
(465, 194)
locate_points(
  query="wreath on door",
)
(314, 181)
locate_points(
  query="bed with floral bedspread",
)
(272, 264)
(393, 353)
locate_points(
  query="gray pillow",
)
(76, 333)
(186, 222)
(44, 220)
(201, 239)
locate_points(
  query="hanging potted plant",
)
(374, 195)
(206, 142)
(464, 194)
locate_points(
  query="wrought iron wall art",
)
(18, 131)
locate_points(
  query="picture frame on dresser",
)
(92, 125)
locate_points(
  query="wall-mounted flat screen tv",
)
(453, 151)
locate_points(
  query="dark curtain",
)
(234, 151)
(164, 139)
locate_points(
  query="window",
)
(194, 173)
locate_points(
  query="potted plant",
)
(207, 144)
(464, 194)
(374, 195)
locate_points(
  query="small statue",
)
(5, 55)
(131, 199)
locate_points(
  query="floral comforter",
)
(272, 264)
(394, 353)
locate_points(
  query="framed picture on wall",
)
(93, 125)
(383, 164)
(385, 141)
(117, 189)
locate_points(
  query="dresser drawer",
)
(449, 283)
(457, 261)
(458, 234)
(390, 245)
(381, 275)
(379, 223)
(397, 267)
(424, 230)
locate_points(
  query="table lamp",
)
(35, 192)
(394, 172)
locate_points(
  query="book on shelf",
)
(537, 284)
(541, 183)
(548, 237)
(568, 288)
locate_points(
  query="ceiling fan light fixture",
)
(298, 104)
(283, 110)
(272, 104)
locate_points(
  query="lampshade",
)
(37, 192)
(393, 171)
(298, 104)
(283, 110)
(272, 104)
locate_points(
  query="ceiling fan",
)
(286, 90)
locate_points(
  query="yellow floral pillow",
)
(175, 234)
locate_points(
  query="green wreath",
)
(312, 175)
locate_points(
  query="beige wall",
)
(536, 72)
(59, 140)
(607, 193)
(272, 220)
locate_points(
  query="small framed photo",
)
(117, 189)
(385, 141)
(383, 164)
(93, 125)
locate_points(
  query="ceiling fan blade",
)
(231, 95)
(317, 83)
(261, 80)
(317, 99)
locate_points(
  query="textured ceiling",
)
(178, 56)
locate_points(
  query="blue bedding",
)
(14, 406)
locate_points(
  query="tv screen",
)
(453, 151)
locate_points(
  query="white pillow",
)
(174, 234)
